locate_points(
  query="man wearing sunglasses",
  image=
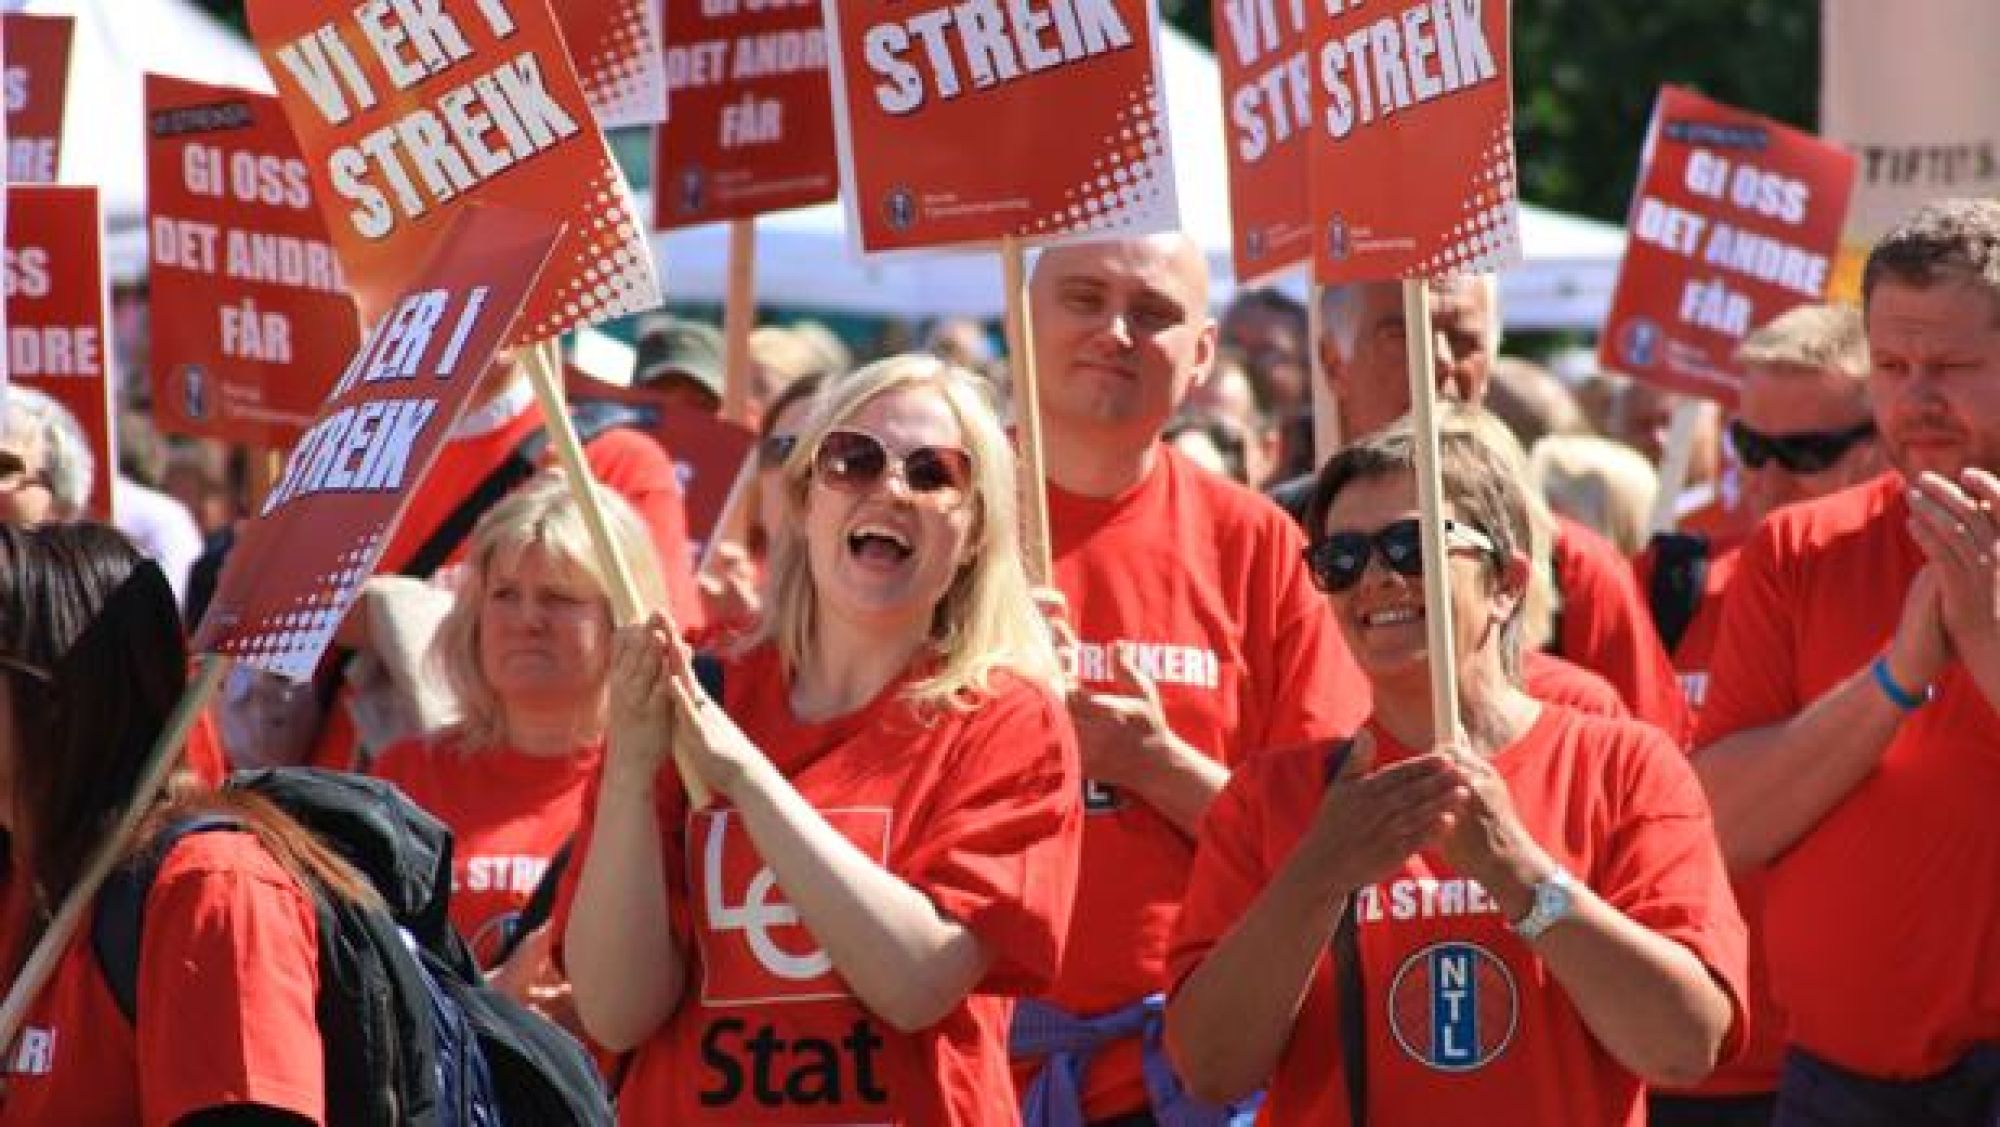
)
(1196, 639)
(1601, 621)
(1850, 742)
(1802, 430)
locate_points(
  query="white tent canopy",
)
(804, 256)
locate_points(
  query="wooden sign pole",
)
(1430, 497)
(1027, 416)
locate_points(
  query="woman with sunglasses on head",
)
(1526, 928)
(92, 661)
(891, 847)
(732, 586)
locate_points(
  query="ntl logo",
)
(1453, 1007)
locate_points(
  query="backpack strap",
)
(1680, 572)
(589, 420)
(118, 918)
(1352, 999)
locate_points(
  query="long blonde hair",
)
(543, 514)
(986, 621)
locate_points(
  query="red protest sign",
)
(1413, 158)
(1267, 99)
(37, 55)
(298, 566)
(968, 123)
(55, 313)
(615, 45)
(1735, 220)
(752, 125)
(251, 316)
(405, 113)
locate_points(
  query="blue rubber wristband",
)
(1899, 696)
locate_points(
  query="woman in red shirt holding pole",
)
(892, 845)
(1521, 932)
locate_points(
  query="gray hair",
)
(29, 412)
(1340, 312)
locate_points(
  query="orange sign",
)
(37, 55)
(706, 448)
(1267, 99)
(615, 45)
(251, 316)
(406, 112)
(55, 313)
(967, 123)
(1413, 155)
(1736, 219)
(752, 124)
(298, 566)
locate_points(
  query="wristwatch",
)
(1554, 900)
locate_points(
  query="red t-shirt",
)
(1465, 1024)
(1205, 579)
(509, 813)
(1879, 922)
(228, 970)
(1756, 1069)
(1607, 628)
(1552, 680)
(978, 810)
(626, 461)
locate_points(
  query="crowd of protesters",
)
(874, 818)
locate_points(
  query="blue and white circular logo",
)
(1639, 342)
(1454, 1007)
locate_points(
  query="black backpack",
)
(1680, 575)
(411, 1033)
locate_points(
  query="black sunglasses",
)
(856, 461)
(774, 449)
(1808, 451)
(1338, 560)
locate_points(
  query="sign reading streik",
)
(968, 123)
(1413, 149)
(406, 112)
(298, 566)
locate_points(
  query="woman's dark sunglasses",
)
(1808, 451)
(1338, 561)
(856, 462)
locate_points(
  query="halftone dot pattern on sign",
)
(1487, 235)
(290, 643)
(623, 73)
(609, 267)
(1131, 186)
